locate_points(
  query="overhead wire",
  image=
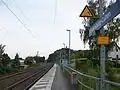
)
(18, 18)
(20, 9)
(3, 34)
(55, 13)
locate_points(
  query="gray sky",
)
(39, 18)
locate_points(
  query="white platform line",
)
(42, 83)
(45, 83)
(52, 78)
(40, 89)
(40, 86)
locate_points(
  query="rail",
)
(81, 76)
(24, 80)
(8, 76)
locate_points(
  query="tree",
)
(51, 58)
(39, 59)
(93, 5)
(112, 29)
(29, 60)
(16, 62)
(16, 56)
(5, 59)
(43, 59)
(2, 49)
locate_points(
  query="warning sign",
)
(103, 40)
(86, 12)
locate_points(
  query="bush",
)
(4, 70)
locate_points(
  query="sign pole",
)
(102, 51)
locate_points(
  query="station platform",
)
(52, 80)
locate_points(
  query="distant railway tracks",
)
(24, 80)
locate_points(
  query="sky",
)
(47, 21)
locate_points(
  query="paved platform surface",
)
(60, 81)
(53, 80)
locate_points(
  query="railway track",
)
(25, 80)
(8, 76)
(14, 74)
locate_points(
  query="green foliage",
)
(87, 66)
(114, 74)
(51, 58)
(39, 59)
(91, 67)
(29, 60)
(16, 62)
(95, 62)
(85, 54)
(59, 54)
(2, 49)
(34, 65)
(4, 70)
(112, 28)
(81, 65)
(5, 59)
(16, 56)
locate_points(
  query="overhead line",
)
(17, 17)
(55, 14)
(20, 10)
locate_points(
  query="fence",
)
(88, 82)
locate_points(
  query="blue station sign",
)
(111, 12)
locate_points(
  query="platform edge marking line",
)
(52, 79)
(32, 88)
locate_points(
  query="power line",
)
(3, 35)
(20, 10)
(55, 11)
(17, 17)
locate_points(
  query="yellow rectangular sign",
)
(104, 40)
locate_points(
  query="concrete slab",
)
(60, 81)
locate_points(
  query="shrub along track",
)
(7, 75)
(24, 80)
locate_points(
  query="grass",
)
(72, 65)
(9, 70)
(92, 69)
(35, 65)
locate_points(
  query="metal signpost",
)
(102, 51)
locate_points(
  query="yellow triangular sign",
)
(86, 12)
